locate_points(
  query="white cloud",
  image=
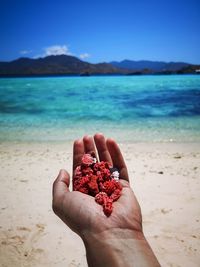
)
(25, 52)
(59, 50)
(84, 55)
(56, 50)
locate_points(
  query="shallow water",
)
(129, 108)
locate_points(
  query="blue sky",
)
(98, 31)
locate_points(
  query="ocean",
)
(129, 108)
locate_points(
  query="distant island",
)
(70, 65)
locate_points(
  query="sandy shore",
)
(165, 177)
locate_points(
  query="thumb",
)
(61, 185)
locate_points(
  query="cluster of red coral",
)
(96, 179)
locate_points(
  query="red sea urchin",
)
(99, 180)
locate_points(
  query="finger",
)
(124, 183)
(117, 159)
(61, 185)
(88, 144)
(102, 149)
(78, 151)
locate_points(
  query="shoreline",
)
(124, 133)
(195, 144)
(71, 75)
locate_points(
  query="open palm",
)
(80, 211)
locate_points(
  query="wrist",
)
(112, 234)
(118, 247)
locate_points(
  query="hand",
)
(80, 211)
(116, 240)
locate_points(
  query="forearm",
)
(119, 248)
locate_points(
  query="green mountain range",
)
(66, 65)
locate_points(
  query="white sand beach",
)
(165, 178)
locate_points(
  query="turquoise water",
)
(129, 108)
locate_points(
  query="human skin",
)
(117, 240)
